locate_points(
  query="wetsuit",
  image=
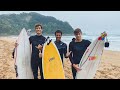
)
(62, 48)
(78, 49)
(36, 61)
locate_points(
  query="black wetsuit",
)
(78, 49)
(62, 48)
(36, 61)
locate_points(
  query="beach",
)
(109, 67)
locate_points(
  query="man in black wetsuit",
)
(36, 42)
(62, 47)
(77, 47)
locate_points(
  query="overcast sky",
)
(86, 20)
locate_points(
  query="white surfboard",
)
(23, 56)
(91, 59)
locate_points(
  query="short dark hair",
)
(77, 30)
(38, 24)
(58, 31)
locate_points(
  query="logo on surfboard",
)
(92, 58)
(51, 58)
(103, 35)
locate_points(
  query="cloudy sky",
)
(86, 20)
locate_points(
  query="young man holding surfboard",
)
(77, 47)
(36, 42)
(62, 47)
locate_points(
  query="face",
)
(38, 30)
(78, 36)
(58, 36)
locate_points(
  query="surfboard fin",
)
(49, 42)
(47, 38)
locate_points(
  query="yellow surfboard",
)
(51, 62)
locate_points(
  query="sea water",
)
(113, 38)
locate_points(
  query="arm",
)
(40, 47)
(88, 43)
(71, 58)
(16, 44)
(71, 54)
(30, 40)
(66, 54)
(13, 53)
(65, 51)
(40, 51)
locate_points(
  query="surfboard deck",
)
(91, 58)
(23, 56)
(52, 63)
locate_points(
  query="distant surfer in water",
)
(61, 46)
(77, 47)
(36, 42)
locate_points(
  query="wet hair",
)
(58, 31)
(37, 25)
(77, 30)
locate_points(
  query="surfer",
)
(36, 42)
(77, 47)
(62, 47)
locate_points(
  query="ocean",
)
(114, 39)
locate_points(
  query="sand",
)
(109, 67)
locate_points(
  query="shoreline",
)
(14, 38)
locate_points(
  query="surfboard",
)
(51, 61)
(23, 56)
(91, 58)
